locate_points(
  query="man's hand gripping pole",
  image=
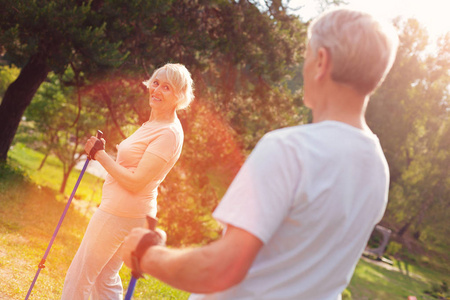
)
(150, 239)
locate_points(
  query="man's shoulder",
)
(321, 129)
(294, 133)
(286, 131)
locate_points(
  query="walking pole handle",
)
(151, 222)
(99, 134)
(97, 146)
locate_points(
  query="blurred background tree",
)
(44, 36)
(410, 115)
(57, 122)
(112, 46)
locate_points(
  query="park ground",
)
(30, 209)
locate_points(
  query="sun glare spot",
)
(432, 14)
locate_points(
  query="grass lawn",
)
(51, 174)
(29, 213)
(30, 209)
(380, 281)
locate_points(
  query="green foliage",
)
(64, 31)
(50, 175)
(57, 123)
(44, 36)
(11, 175)
(410, 115)
(438, 291)
(393, 248)
(7, 75)
(346, 295)
(375, 239)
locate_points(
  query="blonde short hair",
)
(180, 78)
(362, 49)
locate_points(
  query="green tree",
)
(190, 32)
(410, 114)
(44, 36)
(56, 124)
(244, 84)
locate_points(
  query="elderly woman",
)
(130, 189)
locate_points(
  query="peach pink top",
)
(162, 139)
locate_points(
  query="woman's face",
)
(162, 93)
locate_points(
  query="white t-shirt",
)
(312, 194)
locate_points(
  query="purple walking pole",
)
(131, 287)
(42, 262)
(151, 225)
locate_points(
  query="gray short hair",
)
(362, 49)
(180, 78)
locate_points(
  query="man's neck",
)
(342, 104)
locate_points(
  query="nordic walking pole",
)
(151, 222)
(41, 264)
(131, 287)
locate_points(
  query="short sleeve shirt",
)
(162, 139)
(312, 194)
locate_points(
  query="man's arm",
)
(208, 269)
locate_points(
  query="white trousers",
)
(94, 270)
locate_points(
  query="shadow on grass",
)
(403, 267)
(371, 281)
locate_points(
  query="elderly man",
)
(301, 209)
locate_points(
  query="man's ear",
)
(322, 63)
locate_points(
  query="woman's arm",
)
(208, 269)
(149, 167)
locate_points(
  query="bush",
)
(375, 239)
(439, 291)
(346, 295)
(10, 174)
(393, 248)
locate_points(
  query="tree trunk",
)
(107, 99)
(66, 174)
(420, 215)
(404, 228)
(423, 210)
(17, 98)
(64, 182)
(44, 160)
